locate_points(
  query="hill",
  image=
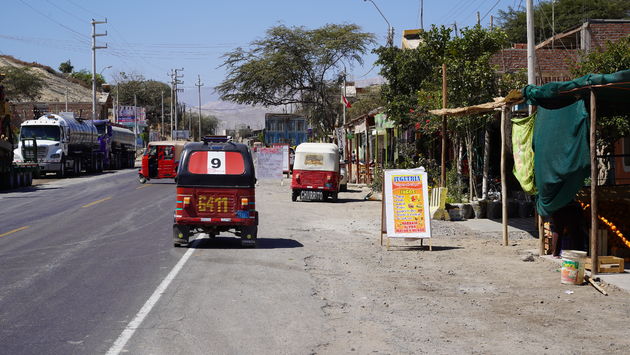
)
(55, 84)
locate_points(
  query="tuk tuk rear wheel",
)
(249, 235)
(334, 196)
(294, 195)
(142, 179)
(181, 234)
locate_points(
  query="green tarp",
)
(612, 92)
(562, 155)
(522, 139)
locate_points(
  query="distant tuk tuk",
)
(315, 172)
(216, 192)
(160, 160)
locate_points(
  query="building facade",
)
(285, 128)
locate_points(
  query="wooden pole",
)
(443, 156)
(504, 211)
(367, 155)
(594, 246)
(356, 156)
(541, 234)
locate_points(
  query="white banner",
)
(268, 162)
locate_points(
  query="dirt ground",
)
(468, 295)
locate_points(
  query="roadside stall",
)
(578, 104)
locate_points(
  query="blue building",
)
(285, 128)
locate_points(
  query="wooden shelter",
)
(607, 95)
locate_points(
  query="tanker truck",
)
(14, 174)
(116, 144)
(65, 145)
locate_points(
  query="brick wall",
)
(552, 64)
(607, 31)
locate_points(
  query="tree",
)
(148, 94)
(414, 80)
(66, 67)
(409, 71)
(613, 57)
(21, 83)
(294, 65)
(209, 123)
(85, 78)
(568, 14)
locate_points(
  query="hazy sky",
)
(151, 37)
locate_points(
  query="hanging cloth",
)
(522, 140)
(562, 155)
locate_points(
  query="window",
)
(313, 159)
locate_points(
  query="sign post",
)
(405, 206)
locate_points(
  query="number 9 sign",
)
(216, 163)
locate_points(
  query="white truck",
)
(65, 145)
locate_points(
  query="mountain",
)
(230, 114)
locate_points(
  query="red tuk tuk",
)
(315, 172)
(215, 192)
(160, 160)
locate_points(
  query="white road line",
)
(130, 329)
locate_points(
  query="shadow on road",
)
(29, 189)
(235, 243)
(418, 247)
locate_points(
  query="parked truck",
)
(117, 145)
(65, 145)
(14, 174)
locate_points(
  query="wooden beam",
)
(504, 209)
(594, 246)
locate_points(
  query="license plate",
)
(213, 204)
(311, 195)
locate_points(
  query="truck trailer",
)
(65, 145)
(117, 145)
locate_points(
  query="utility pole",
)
(172, 75)
(190, 123)
(176, 82)
(94, 48)
(117, 103)
(66, 97)
(478, 19)
(390, 29)
(531, 52)
(162, 126)
(135, 124)
(491, 22)
(421, 14)
(199, 85)
(455, 27)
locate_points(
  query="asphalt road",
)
(78, 258)
(87, 266)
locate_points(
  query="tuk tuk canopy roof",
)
(612, 92)
(317, 156)
(179, 146)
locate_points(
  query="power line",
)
(82, 37)
(492, 8)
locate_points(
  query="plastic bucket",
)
(572, 272)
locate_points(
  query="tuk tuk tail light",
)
(186, 201)
(244, 202)
(328, 177)
(297, 177)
